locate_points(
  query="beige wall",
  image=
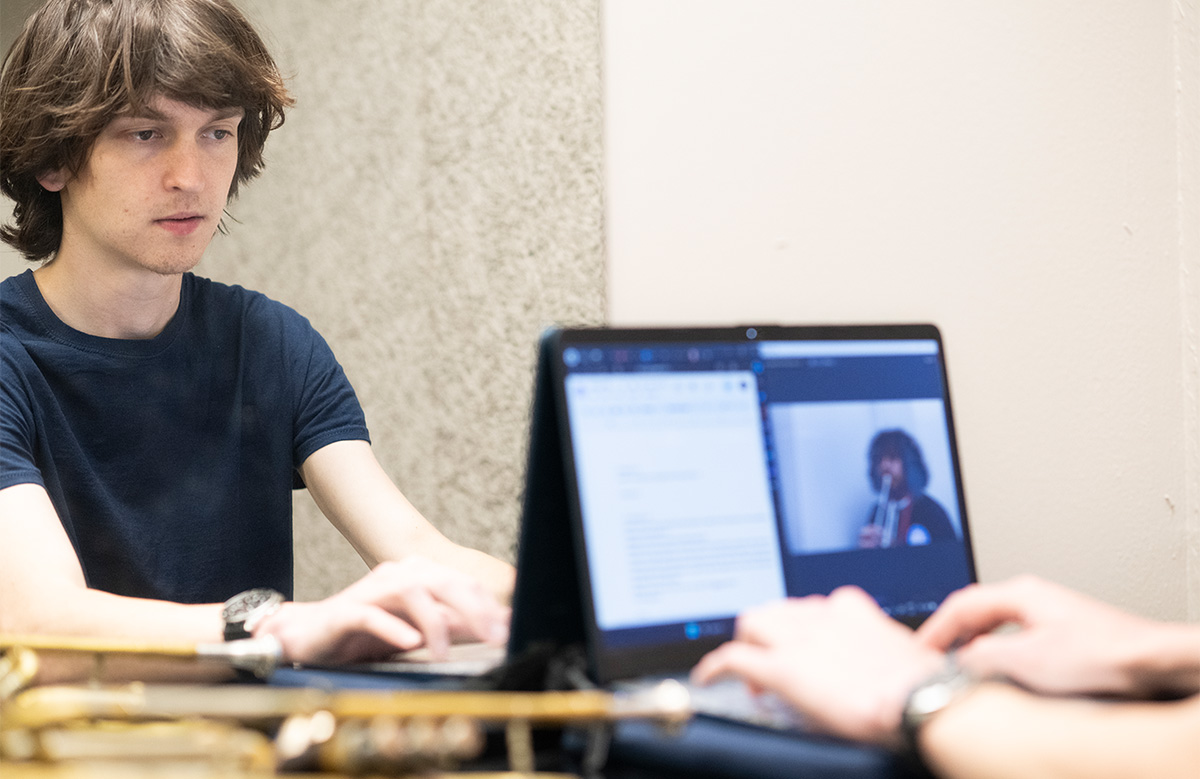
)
(431, 204)
(12, 12)
(1021, 173)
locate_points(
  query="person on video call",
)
(1077, 689)
(154, 423)
(903, 514)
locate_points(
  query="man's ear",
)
(53, 180)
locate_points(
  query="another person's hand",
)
(839, 660)
(870, 537)
(397, 606)
(1063, 642)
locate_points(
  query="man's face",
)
(152, 191)
(893, 465)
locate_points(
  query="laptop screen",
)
(711, 470)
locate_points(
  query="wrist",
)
(1165, 662)
(988, 724)
(243, 613)
(930, 697)
(886, 720)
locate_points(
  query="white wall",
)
(1014, 172)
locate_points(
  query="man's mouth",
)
(181, 224)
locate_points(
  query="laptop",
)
(679, 476)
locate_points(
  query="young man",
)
(1101, 693)
(153, 423)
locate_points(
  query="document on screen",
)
(675, 495)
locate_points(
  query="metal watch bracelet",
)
(938, 691)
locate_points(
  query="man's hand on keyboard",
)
(396, 606)
(839, 660)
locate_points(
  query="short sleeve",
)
(17, 465)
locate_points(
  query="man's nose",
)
(185, 168)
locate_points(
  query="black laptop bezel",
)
(548, 607)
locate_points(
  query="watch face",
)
(243, 604)
(936, 694)
(932, 698)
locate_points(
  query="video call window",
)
(860, 475)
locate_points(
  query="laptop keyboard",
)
(729, 699)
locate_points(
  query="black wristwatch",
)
(245, 610)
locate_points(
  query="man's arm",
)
(1064, 642)
(42, 590)
(396, 606)
(848, 668)
(360, 499)
(1000, 731)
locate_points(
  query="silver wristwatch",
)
(244, 611)
(929, 697)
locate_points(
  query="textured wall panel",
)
(433, 201)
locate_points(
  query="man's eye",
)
(221, 135)
(144, 135)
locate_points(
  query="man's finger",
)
(752, 664)
(764, 624)
(969, 613)
(484, 616)
(424, 612)
(389, 628)
(999, 655)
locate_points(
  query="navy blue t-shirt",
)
(171, 461)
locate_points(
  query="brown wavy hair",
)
(78, 64)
